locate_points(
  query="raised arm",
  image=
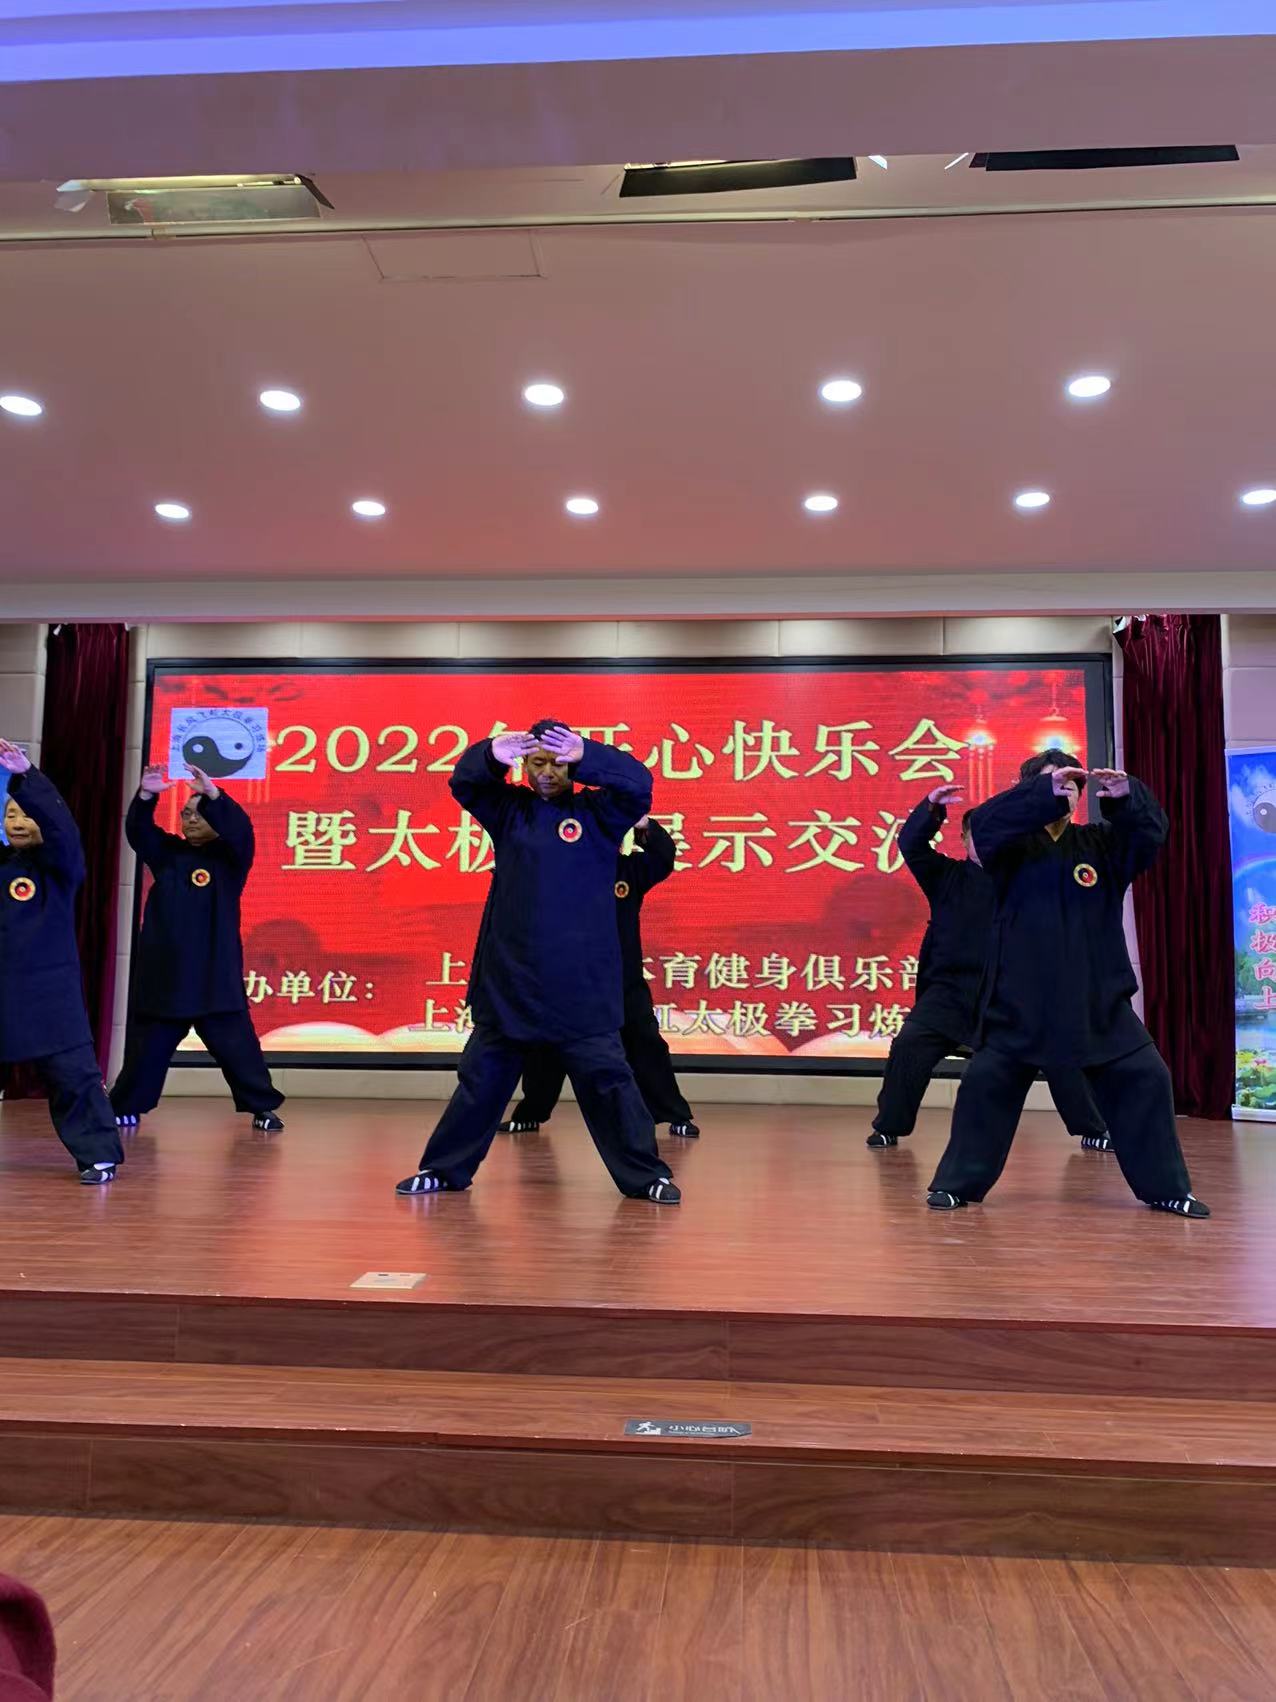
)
(924, 863)
(233, 826)
(60, 850)
(479, 781)
(624, 785)
(1024, 809)
(659, 854)
(151, 843)
(1136, 824)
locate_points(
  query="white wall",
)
(1249, 679)
(503, 640)
(22, 662)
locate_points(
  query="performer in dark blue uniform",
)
(1060, 982)
(950, 970)
(547, 962)
(544, 1070)
(42, 1016)
(189, 971)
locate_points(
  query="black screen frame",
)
(1095, 667)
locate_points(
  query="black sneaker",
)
(127, 1120)
(97, 1175)
(268, 1123)
(664, 1192)
(424, 1182)
(879, 1138)
(939, 1200)
(1188, 1206)
(685, 1131)
(1097, 1143)
(519, 1126)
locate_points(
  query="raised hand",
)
(201, 782)
(1111, 782)
(153, 781)
(562, 743)
(943, 796)
(1067, 781)
(11, 758)
(510, 748)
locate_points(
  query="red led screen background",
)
(787, 938)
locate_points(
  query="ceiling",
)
(692, 357)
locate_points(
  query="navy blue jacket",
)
(954, 948)
(190, 958)
(636, 873)
(547, 964)
(1060, 979)
(41, 991)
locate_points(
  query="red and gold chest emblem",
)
(622, 889)
(569, 831)
(200, 877)
(1085, 874)
(22, 889)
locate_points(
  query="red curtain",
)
(1172, 700)
(82, 752)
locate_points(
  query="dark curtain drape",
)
(82, 752)
(1172, 698)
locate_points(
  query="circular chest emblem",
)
(200, 877)
(622, 889)
(1085, 875)
(22, 889)
(570, 830)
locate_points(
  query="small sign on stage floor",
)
(682, 1427)
(389, 1279)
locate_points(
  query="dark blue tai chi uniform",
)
(547, 964)
(189, 971)
(545, 1071)
(43, 1019)
(950, 972)
(1059, 987)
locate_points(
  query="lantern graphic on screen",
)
(1054, 732)
(981, 748)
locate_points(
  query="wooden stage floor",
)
(785, 1211)
(1059, 1372)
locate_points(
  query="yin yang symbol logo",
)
(221, 748)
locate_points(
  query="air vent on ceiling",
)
(1102, 159)
(250, 199)
(728, 177)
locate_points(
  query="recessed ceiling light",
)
(368, 508)
(280, 401)
(1033, 499)
(544, 395)
(820, 502)
(1260, 498)
(172, 511)
(840, 391)
(1088, 386)
(581, 505)
(25, 407)
(881, 160)
(958, 160)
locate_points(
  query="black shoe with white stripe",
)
(664, 1192)
(939, 1200)
(519, 1126)
(879, 1138)
(685, 1131)
(127, 1120)
(1097, 1143)
(267, 1123)
(424, 1182)
(1188, 1206)
(97, 1175)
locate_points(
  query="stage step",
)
(868, 1466)
(1066, 1356)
